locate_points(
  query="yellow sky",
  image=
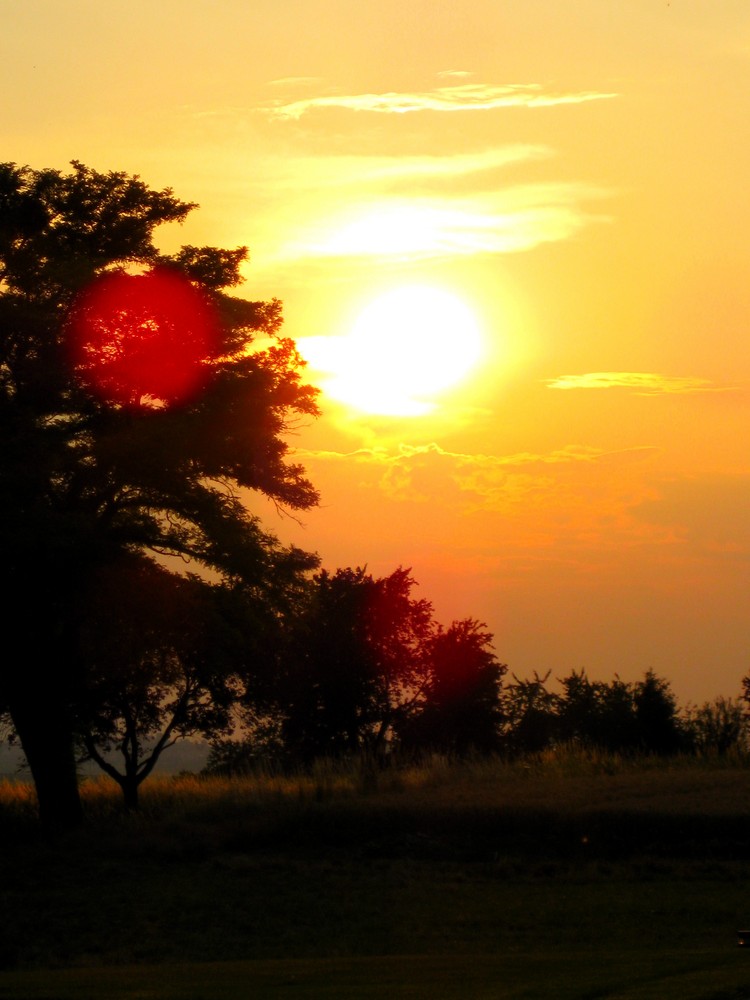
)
(574, 173)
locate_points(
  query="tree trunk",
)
(129, 787)
(47, 742)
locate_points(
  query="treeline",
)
(619, 717)
(329, 664)
(339, 664)
(369, 672)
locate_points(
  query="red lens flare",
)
(141, 341)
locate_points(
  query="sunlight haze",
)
(568, 462)
(404, 348)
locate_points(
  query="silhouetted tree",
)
(164, 657)
(529, 715)
(261, 743)
(618, 716)
(619, 727)
(716, 727)
(462, 708)
(355, 665)
(598, 713)
(579, 710)
(98, 457)
(656, 714)
(399, 632)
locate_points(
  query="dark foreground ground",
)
(597, 882)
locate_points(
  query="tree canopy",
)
(87, 474)
(366, 668)
(462, 710)
(354, 661)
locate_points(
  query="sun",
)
(406, 347)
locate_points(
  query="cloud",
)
(382, 455)
(325, 202)
(365, 208)
(428, 473)
(416, 168)
(368, 177)
(364, 176)
(294, 81)
(643, 383)
(462, 97)
(506, 221)
(572, 500)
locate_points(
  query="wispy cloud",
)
(362, 176)
(456, 74)
(404, 453)
(643, 383)
(573, 497)
(462, 97)
(466, 165)
(508, 221)
(482, 474)
(294, 81)
(370, 207)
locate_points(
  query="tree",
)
(598, 713)
(164, 657)
(656, 714)
(579, 710)
(399, 630)
(462, 709)
(101, 459)
(355, 666)
(529, 715)
(716, 727)
(618, 716)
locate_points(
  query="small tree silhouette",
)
(355, 664)
(462, 710)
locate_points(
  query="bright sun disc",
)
(406, 347)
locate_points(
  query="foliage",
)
(615, 716)
(355, 662)
(161, 663)
(656, 715)
(461, 710)
(260, 745)
(717, 727)
(85, 479)
(367, 668)
(529, 715)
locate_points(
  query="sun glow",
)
(407, 347)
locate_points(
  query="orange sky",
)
(576, 175)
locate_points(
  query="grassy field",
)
(569, 878)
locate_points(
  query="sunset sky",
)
(557, 197)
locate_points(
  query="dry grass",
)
(566, 781)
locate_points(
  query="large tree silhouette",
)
(99, 456)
